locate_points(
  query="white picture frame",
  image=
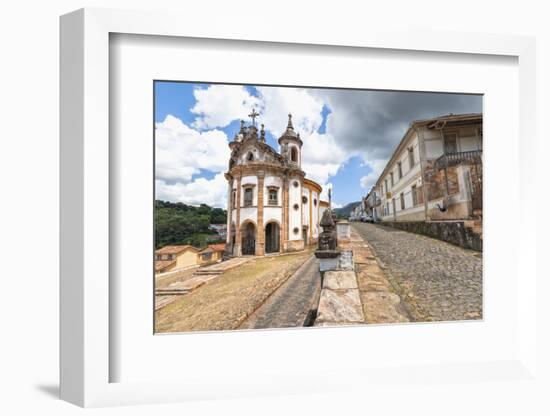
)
(86, 355)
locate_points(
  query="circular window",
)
(315, 202)
(304, 199)
(296, 184)
(296, 206)
(296, 230)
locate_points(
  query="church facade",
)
(272, 207)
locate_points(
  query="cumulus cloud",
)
(367, 124)
(324, 193)
(376, 166)
(371, 123)
(219, 105)
(278, 102)
(181, 151)
(212, 192)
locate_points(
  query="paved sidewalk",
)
(437, 281)
(381, 303)
(289, 305)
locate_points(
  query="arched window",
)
(250, 156)
(293, 154)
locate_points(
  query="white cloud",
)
(277, 103)
(377, 166)
(181, 151)
(324, 193)
(212, 192)
(219, 105)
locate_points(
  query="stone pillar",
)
(422, 157)
(284, 220)
(238, 239)
(310, 216)
(260, 233)
(228, 248)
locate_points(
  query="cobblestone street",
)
(437, 281)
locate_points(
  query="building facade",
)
(272, 207)
(372, 204)
(436, 171)
(175, 257)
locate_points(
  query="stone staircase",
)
(205, 272)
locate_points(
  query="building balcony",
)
(452, 159)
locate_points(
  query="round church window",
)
(296, 206)
(296, 230)
(304, 199)
(296, 184)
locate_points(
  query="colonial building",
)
(272, 207)
(372, 204)
(170, 258)
(435, 173)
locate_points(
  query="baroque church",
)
(272, 207)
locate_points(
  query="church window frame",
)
(272, 195)
(248, 199)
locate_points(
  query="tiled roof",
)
(214, 247)
(174, 249)
(450, 117)
(162, 264)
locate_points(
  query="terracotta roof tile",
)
(162, 264)
(175, 249)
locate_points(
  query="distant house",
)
(170, 258)
(220, 229)
(211, 254)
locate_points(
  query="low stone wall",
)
(454, 232)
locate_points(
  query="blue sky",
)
(348, 134)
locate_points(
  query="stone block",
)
(340, 280)
(328, 264)
(343, 231)
(345, 261)
(339, 306)
(381, 307)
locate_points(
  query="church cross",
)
(253, 116)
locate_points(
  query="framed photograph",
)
(245, 213)
(280, 214)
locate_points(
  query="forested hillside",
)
(345, 211)
(177, 223)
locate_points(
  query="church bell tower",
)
(291, 145)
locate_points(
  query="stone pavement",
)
(290, 305)
(340, 303)
(436, 281)
(381, 305)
